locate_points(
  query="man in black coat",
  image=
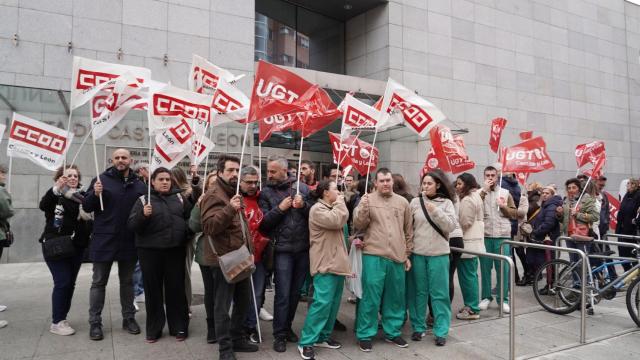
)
(120, 188)
(286, 221)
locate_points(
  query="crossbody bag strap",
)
(433, 225)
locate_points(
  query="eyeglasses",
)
(251, 182)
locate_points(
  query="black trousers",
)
(229, 329)
(163, 277)
(209, 296)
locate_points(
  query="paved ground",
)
(25, 288)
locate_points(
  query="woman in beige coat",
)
(329, 264)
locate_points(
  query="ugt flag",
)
(354, 152)
(497, 126)
(589, 153)
(529, 157)
(450, 150)
(43, 144)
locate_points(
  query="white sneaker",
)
(62, 328)
(140, 298)
(3, 323)
(505, 308)
(136, 306)
(3, 308)
(265, 316)
(484, 304)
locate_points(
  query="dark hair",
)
(582, 177)
(360, 187)
(59, 172)
(444, 190)
(489, 168)
(222, 161)
(180, 178)
(602, 178)
(159, 171)
(470, 183)
(383, 171)
(399, 185)
(323, 186)
(575, 181)
(310, 163)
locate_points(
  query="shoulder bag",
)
(433, 225)
(236, 265)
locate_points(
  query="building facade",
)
(568, 70)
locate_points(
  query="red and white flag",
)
(108, 108)
(596, 171)
(529, 157)
(89, 77)
(354, 152)
(229, 103)
(614, 207)
(497, 126)
(200, 149)
(204, 76)
(357, 115)
(318, 109)
(432, 162)
(170, 103)
(405, 105)
(172, 145)
(526, 135)
(450, 150)
(522, 178)
(589, 153)
(43, 144)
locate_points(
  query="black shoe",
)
(365, 345)
(292, 337)
(398, 341)
(181, 336)
(328, 344)
(242, 345)
(440, 341)
(521, 282)
(229, 355)
(417, 336)
(131, 326)
(280, 345)
(338, 326)
(306, 352)
(95, 332)
(211, 332)
(253, 336)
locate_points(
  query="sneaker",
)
(264, 315)
(365, 345)
(292, 337)
(440, 341)
(328, 344)
(254, 338)
(467, 314)
(398, 341)
(3, 323)
(139, 298)
(62, 328)
(484, 304)
(417, 336)
(306, 352)
(280, 345)
(242, 345)
(3, 308)
(506, 308)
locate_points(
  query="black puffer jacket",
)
(289, 229)
(72, 222)
(546, 222)
(167, 225)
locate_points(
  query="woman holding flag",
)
(576, 216)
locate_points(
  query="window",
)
(294, 36)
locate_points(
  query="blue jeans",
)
(290, 271)
(138, 286)
(259, 278)
(65, 273)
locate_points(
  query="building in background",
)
(568, 70)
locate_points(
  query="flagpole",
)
(500, 186)
(75, 157)
(260, 164)
(373, 145)
(255, 308)
(9, 177)
(149, 169)
(244, 142)
(582, 193)
(206, 127)
(64, 161)
(206, 162)
(95, 157)
(299, 165)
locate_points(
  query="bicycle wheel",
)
(633, 300)
(554, 286)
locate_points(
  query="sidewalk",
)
(26, 290)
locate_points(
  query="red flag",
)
(529, 156)
(319, 110)
(589, 153)
(522, 178)
(614, 206)
(497, 125)
(355, 152)
(433, 162)
(596, 171)
(526, 135)
(450, 150)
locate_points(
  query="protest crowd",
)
(284, 228)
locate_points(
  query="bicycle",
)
(560, 290)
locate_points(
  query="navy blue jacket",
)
(627, 212)
(511, 184)
(605, 215)
(546, 222)
(112, 240)
(289, 229)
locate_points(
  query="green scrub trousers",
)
(468, 278)
(327, 293)
(486, 265)
(382, 284)
(429, 278)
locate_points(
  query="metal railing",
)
(584, 265)
(512, 283)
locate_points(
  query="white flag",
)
(200, 149)
(405, 105)
(88, 76)
(204, 76)
(170, 103)
(172, 145)
(3, 127)
(43, 144)
(229, 103)
(357, 115)
(110, 106)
